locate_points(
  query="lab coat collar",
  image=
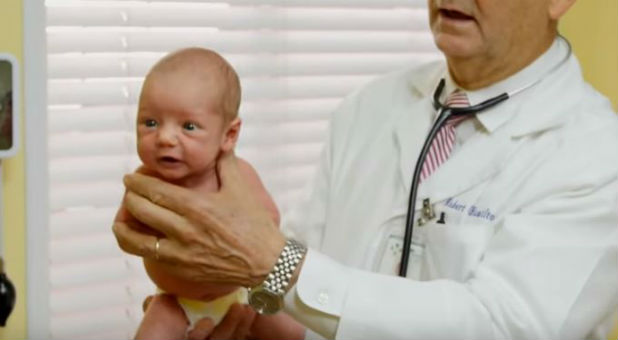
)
(543, 106)
(471, 165)
(485, 153)
(424, 80)
(494, 118)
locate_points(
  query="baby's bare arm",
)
(254, 182)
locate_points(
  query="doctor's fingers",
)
(201, 330)
(236, 324)
(133, 241)
(161, 193)
(144, 245)
(156, 217)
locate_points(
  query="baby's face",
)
(179, 129)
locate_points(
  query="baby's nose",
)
(167, 136)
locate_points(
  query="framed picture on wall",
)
(9, 131)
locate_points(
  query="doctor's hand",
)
(242, 322)
(226, 237)
(236, 324)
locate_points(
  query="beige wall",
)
(592, 28)
(12, 184)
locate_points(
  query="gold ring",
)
(156, 249)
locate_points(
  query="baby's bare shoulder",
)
(249, 174)
(245, 167)
(255, 183)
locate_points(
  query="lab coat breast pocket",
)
(389, 252)
(454, 251)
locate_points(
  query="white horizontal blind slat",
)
(121, 91)
(78, 118)
(107, 294)
(403, 4)
(100, 143)
(85, 247)
(79, 325)
(66, 275)
(296, 60)
(135, 65)
(75, 221)
(84, 41)
(154, 17)
(88, 168)
(88, 194)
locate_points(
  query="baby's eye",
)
(189, 126)
(150, 122)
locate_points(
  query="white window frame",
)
(37, 184)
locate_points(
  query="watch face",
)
(265, 302)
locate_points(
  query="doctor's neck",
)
(490, 67)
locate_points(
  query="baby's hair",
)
(194, 61)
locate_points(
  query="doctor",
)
(517, 206)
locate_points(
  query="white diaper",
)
(215, 309)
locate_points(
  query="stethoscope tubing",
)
(444, 112)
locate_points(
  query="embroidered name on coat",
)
(473, 210)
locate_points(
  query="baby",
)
(187, 116)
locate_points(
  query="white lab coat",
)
(529, 248)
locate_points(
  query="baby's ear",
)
(230, 135)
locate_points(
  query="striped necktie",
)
(442, 145)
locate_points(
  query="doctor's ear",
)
(557, 8)
(230, 135)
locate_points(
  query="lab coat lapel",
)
(478, 159)
(412, 123)
(411, 128)
(409, 134)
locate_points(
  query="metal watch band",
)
(278, 279)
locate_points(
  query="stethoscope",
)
(444, 112)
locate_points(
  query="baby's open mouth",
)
(168, 159)
(452, 14)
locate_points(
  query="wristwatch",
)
(267, 297)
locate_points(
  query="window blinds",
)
(296, 60)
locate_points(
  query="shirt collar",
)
(492, 119)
